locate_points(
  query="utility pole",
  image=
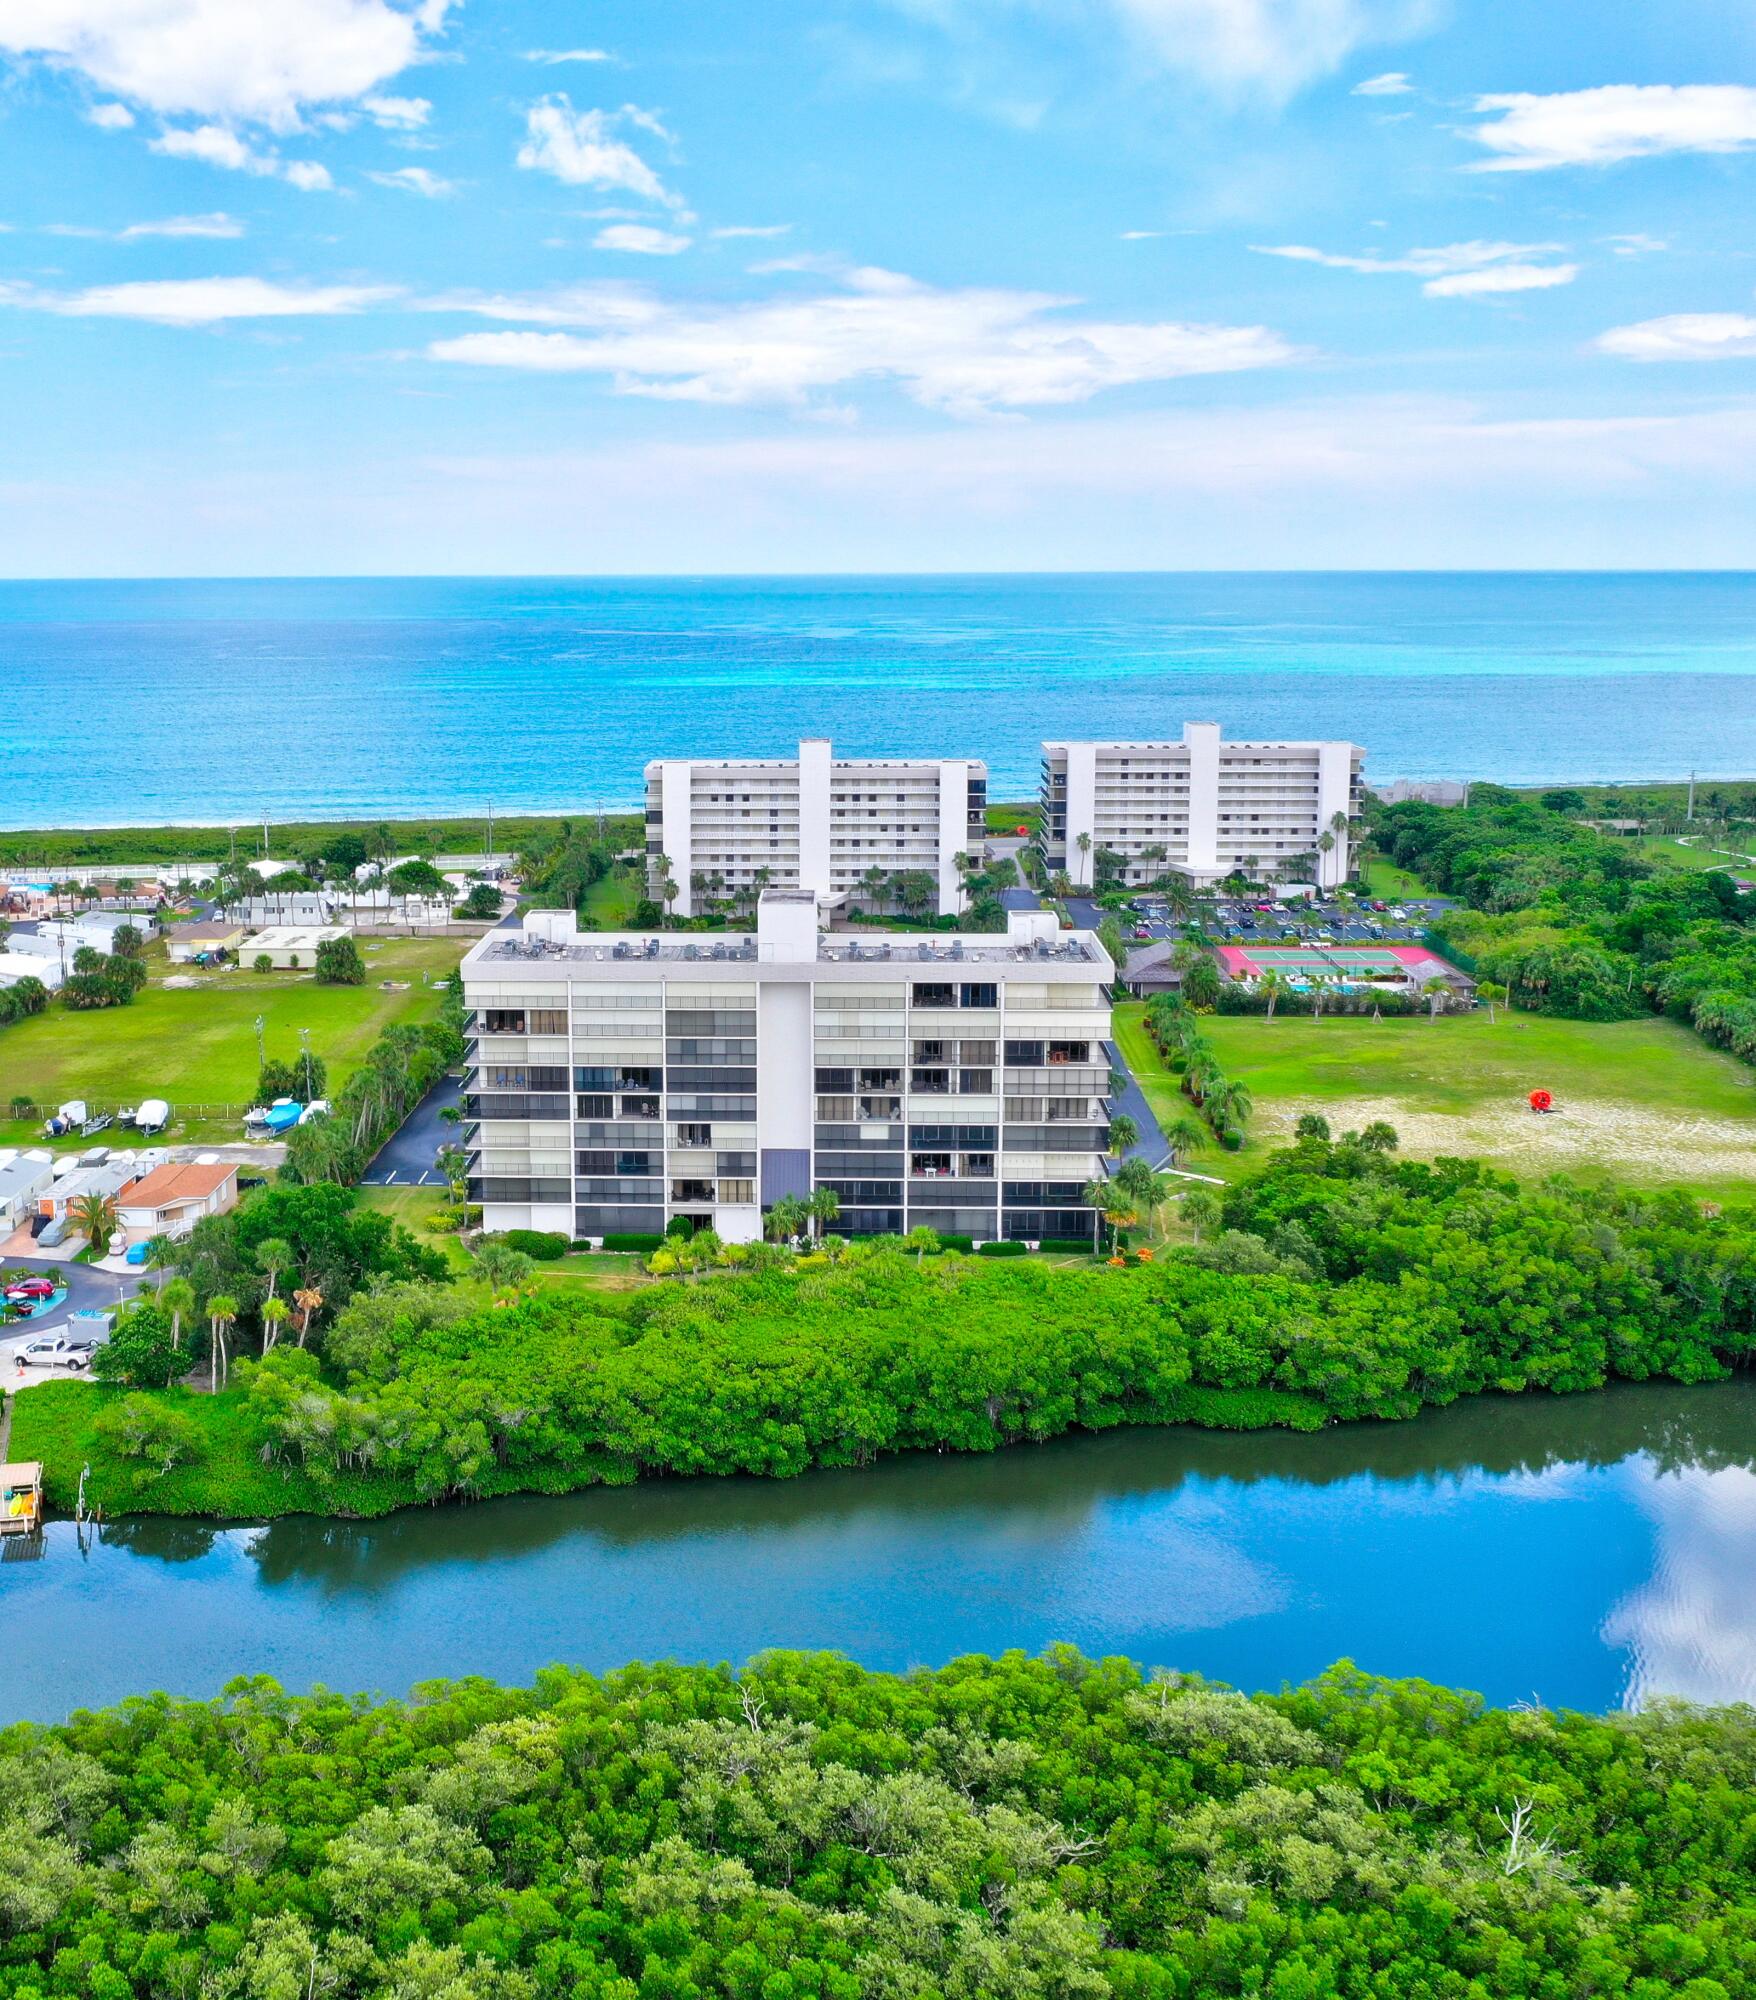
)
(305, 1057)
(261, 1046)
(1690, 814)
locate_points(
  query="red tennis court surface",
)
(1339, 961)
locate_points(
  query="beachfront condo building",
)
(723, 829)
(619, 1081)
(1201, 808)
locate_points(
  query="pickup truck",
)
(56, 1350)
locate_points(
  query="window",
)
(694, 1135)
(504, 1021)
(836, 1110)
(980, 994)
(975, 1082)
(934, 993)
(1025, 1055)
(548, 1020)
(737, 1191)
(593, 1107)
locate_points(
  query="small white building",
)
(23, 1177)
(290, 947)
(46, 971)
(297, 906)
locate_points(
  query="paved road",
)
(406, 1158)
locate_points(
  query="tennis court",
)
(1296, 962)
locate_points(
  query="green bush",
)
(1067, 1246)
(1058, 1827)
(545, 1245)
(964, 1243)
(679, 1229)
(1006, 1249)
(633, 1239)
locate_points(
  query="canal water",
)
(1589, 1551)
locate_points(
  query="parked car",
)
(1380, 905)
(56, 1350)
(55, 1233)
(33, 1287)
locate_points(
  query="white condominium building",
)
(733, 826)
(1200, 808)
(618, 1081)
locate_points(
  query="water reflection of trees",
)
(1706, 1428)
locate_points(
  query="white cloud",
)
(110, 117)
(398, 114)
(1269, 47)
(733, 229)
(552, 56)
(970, 352)
(581, 148)
(198, 301)
(220, 146)
(1501, 278)
(639, 238)
(257, 61)
(1393, 83)
(185, 225)
(1141, 235)
(1620, 121)
(415, 180)
(1683, 337)
(1452, 270)
(1634, 244)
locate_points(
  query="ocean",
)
(154, 702)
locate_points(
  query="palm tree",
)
(503, 1267)
(1061, 883)
(786, 1220)
(1124, 1134)
(1200, 1210)
(94, 1216)
(309, 1300)
(273, 1255)
(1274, 985)
(1103, 1196)
(922, 1241)
(161, 1256)
(275, 1314)
(1083, 843)
(1184, 1136)
(178, 1299)
(824, 1207)
(1229, 1102)
(872, 880)
(222, 1313)
(1325, 846)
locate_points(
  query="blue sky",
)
(337, 286)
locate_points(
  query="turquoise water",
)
(1592, 1551)
(156, 701)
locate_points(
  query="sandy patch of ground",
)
(1617, 1138)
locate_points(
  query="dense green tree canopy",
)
(808, 1831)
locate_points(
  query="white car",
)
(55, 1350)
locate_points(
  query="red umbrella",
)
(1541, 1100)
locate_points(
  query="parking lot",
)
(1146, 920)
(89, 1291)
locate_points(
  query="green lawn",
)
(610, 903)
(1645, 1102)
(415, 1208)
(1696, 853)
(196, 1045)
(1385, 879)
